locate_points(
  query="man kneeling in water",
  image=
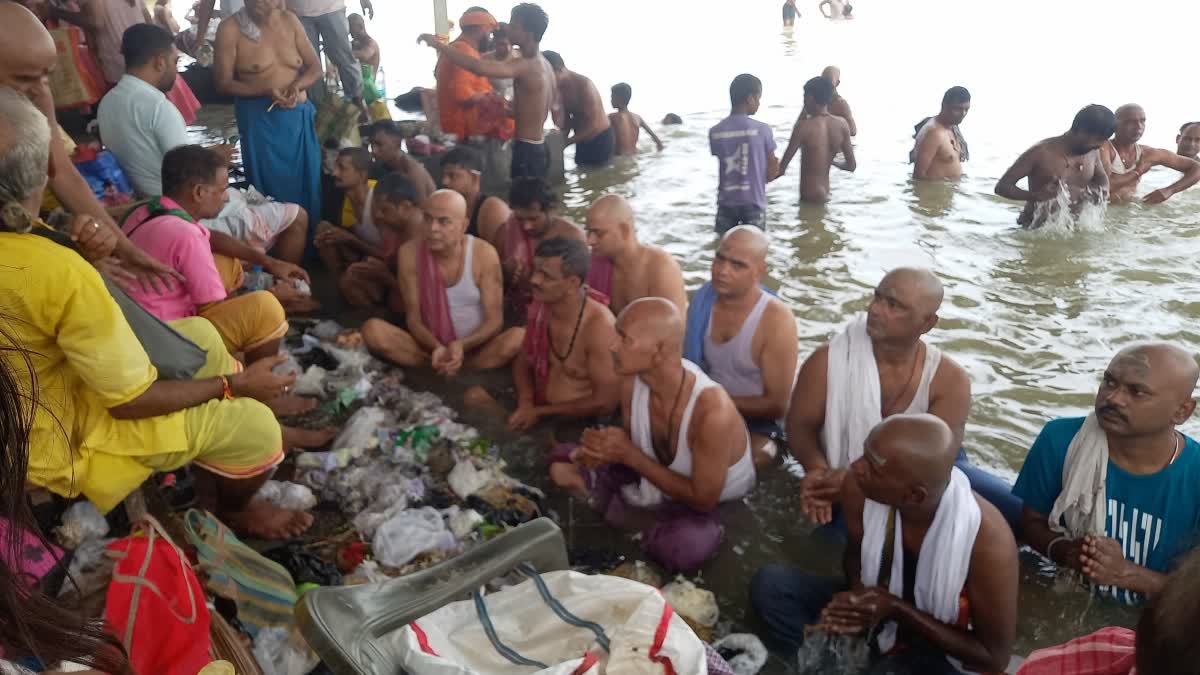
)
(929, 563)
(683, 441)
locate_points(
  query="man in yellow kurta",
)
(103, 422)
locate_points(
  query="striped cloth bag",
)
(262, 589)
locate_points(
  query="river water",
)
(1032, 316)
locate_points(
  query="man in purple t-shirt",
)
(745, 150)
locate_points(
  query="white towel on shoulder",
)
(1082, 500)
(944, 560)
(852, 397)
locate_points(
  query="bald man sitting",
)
(735, 328)
(1113, 495)
(936, 592)
(453, 299)
(682, 450)
(623, 268)
(1126, 161)
(879, 366)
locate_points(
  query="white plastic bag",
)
(409, 534)
(695, 603)
(282, 652)
(82, 522)
(290, 496)
(752, 656)
(643, 631)
(360, 430)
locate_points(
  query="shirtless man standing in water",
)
(533, 86)
(940, 149)
(1188, 141)
(1071, 160)
(839, 106)
(821, 135)
(1126, 161)
(580, 114)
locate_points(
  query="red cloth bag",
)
(156, 606)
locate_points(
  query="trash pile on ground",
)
(403, 486)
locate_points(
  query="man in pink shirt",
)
(194, 180)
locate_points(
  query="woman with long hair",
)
(31, 624)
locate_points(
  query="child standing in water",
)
(628, 125)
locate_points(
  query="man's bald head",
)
(448, 200)
(649, 331)
(907, 460)
(905, 306)
(27, 52)
(1131, 123)
(750, 239)
(446, 219)
(740, 262)
(833, 73)
(1147, 389)
(610, 225)
(924, 285)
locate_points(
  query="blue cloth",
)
(699, 313)
(1156, 517)
(994, 490)
(280, 151)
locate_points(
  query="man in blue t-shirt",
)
(1123, 479)
(745, 148)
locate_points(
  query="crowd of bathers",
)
(149, 338)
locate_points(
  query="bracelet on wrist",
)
(226, 389)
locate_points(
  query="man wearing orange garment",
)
(466, 102)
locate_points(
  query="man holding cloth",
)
(467, 104)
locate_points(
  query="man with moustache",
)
(1113, 495)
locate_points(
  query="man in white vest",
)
(930, 566)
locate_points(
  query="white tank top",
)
(920, 402)
(1118, 164)
(740, 478)
(731, 364)
(464, 298)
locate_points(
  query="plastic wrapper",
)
(409, 534)
(82, 522)
(692, 602)
(367, 573)
(744, 652)
(283, 652)
(290, 496)
(360, 430)
(289, 367)
(462, 522)
(312, 382)
(90, 571)
(466, 480)
(326, 330)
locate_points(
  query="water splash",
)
(828, 653)
(1059, 218)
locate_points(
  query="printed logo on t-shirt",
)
(1139, 533)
